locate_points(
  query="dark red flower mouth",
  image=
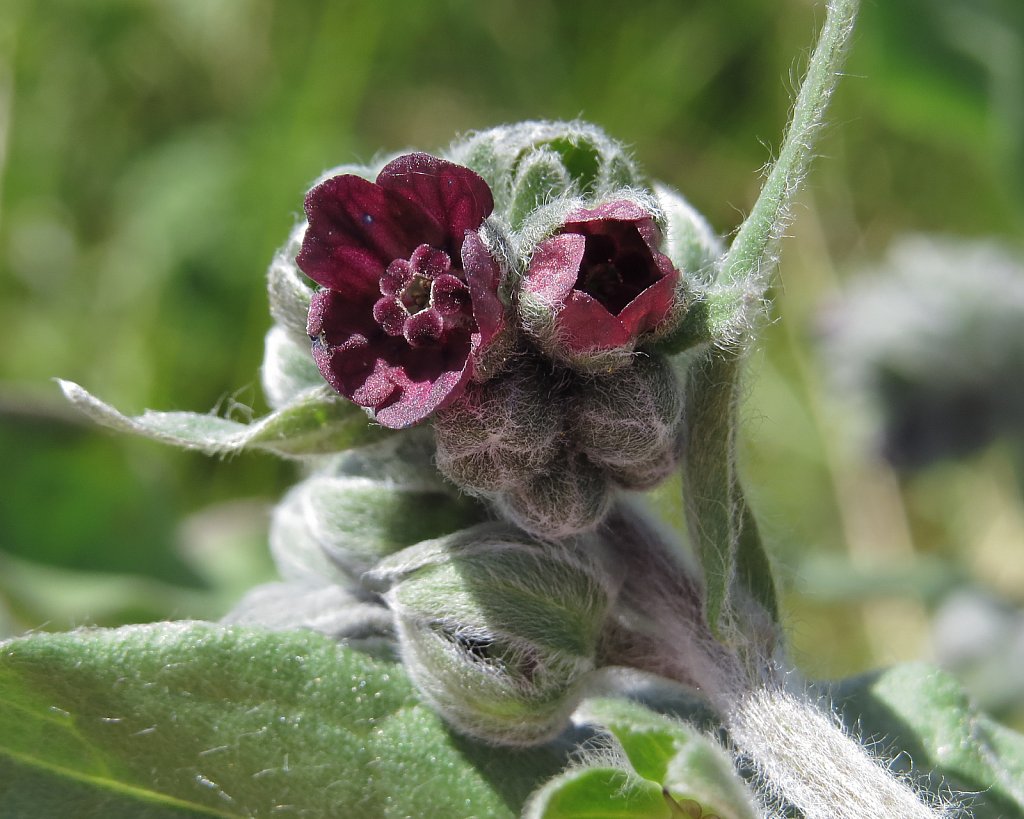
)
(603, 278)
(410, 292)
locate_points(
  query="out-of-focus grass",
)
(155, 154)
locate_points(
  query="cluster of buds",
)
(507, 308)
(514, 296)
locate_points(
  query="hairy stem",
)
(801, 752)
(805, 757)
(753, 253)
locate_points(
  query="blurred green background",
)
(153, 155)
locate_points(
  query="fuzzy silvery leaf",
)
(339, 526)
(921, 718)
(363, 505)
(198, 720)
(317, 422)
(690, 242)
(327, 609)
(499, 633)
(288, 369)
(288, 289)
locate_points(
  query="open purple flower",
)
(600, 280)
(410, 296)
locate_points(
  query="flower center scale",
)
(421, 298)
(416, 294)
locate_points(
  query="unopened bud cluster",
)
(514, 294)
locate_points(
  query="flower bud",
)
(630, 423)
(499, 434)
(690, 242)
(579, 158)
(571, 497)
(599, 286)
(498, 634)
(340, 522)
(541, 177)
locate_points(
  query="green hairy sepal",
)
(498, 632)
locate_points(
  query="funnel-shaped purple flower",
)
(410, 296)
(601, 280)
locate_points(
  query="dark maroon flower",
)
(410, 292)
(602, 279)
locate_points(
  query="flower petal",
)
(650, 307)
(334, 317)
(456, 197)
(554, 267)
(427, 379)
(622, 210)
(356, 228)
(483, 276)
(584, 324)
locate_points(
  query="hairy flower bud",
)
(501, 434)
(572, 497)
(498, 634)
(540, 178)
(573, 158)
(690, 242)
(630, 423)
(341, 521)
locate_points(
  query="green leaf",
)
(921, 718)
(690, 242)
(317, 422)
(288, 290)
(195, 719)
(363, 506)
(674, 755)
(288, 368)
(598, 793)
(500, 633)
(359, 521)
